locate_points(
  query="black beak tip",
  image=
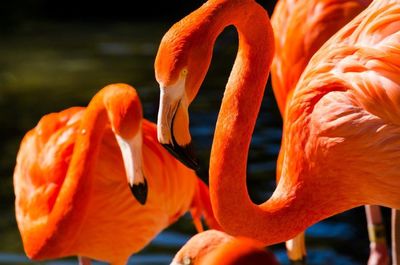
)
(139, 191)
(183, 154)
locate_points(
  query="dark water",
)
(48, 67)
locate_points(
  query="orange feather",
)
(301, 27)
(72, 197)
(214, 247)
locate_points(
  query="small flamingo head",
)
(214, 247)
(124, 109)
(124, 112)
(200, 245)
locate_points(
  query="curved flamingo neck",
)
(68, 208)
(91, 131)
(233, 207)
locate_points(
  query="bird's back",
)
(301, 27)
(39, 177)
(365, 58)
(345, 109)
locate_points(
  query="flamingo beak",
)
(184, 154)
(165, 131)
(131, 150)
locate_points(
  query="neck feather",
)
(234, 209)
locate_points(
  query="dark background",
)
(13, 13)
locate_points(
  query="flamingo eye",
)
(184, 72)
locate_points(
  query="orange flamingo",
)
(343, 109)
(213, 247)
(71, 197)
(301, 27)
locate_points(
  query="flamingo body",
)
(72, 197)
(348, 94)
(301, 28)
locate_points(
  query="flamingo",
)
(213, 247)
(300, 29)
(71, 197)
(341, 130)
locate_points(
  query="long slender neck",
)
(233, 207)
(70, 206)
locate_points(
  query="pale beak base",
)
(131, 150)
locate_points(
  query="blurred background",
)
(57, 54)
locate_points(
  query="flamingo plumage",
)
(343, 109)
(301, 27)
(213, 247)
(70, 182)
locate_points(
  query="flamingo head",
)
(200, 245)
(181, 64)
(124, 112)
(214, 247)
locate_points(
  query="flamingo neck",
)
(275, 220)
(76, 185)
